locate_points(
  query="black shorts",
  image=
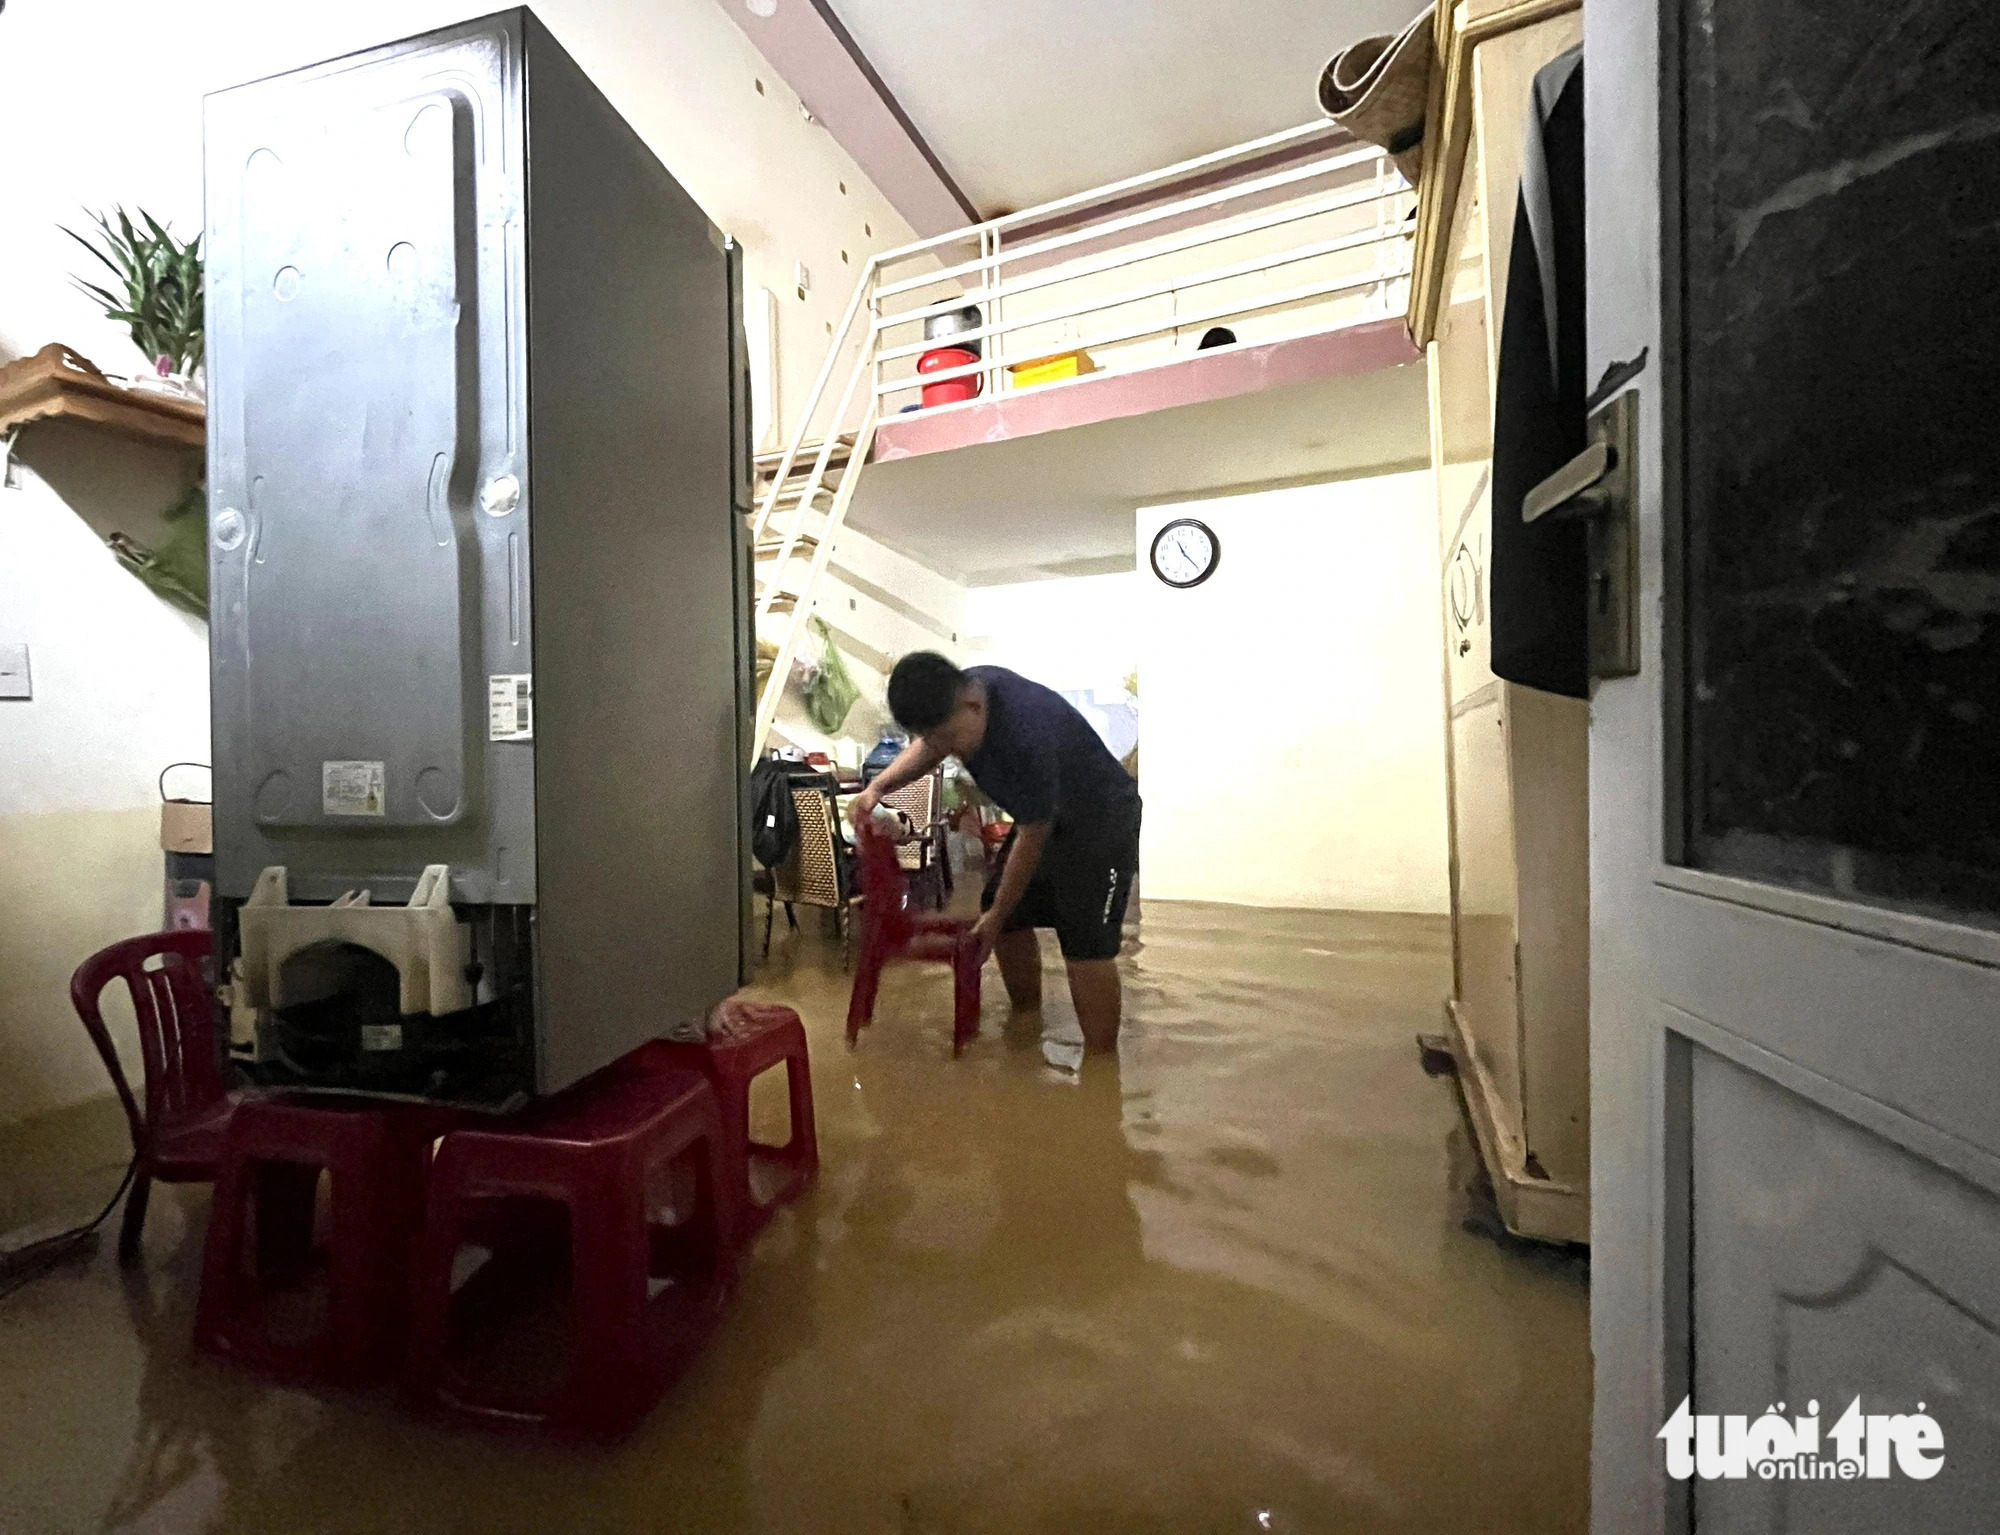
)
(1079, 888)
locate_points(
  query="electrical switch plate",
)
(14, 681)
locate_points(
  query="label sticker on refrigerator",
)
(381, 1036)
(510, 706)
(352, 788)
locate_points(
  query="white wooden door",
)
(1795, 805)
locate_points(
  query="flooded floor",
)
(1234, 1280)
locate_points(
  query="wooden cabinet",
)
(1518, 780)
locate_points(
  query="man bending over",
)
(1069, 861)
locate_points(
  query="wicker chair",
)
(925, 856)
(817, 872)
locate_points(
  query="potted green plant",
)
(157, 294)
(158, 297)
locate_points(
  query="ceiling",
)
(1061, 502)
(1030, 100)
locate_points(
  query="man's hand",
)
(911, 763)
(986, 933)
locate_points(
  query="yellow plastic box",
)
(1046, 370)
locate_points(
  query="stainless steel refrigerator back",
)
(368, 351)
(475, 446)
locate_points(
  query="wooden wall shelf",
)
(58, 382)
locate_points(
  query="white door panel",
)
(1795, 1079)
(1876, 1018)
(1827, 1249)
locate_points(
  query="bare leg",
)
(1094, 988)
(1020, 957)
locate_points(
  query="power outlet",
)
(14, 681)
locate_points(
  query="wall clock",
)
(1185, 552)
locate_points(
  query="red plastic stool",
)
(271, 1295)
(891, 928)
(644, 1293)
(746, 1039)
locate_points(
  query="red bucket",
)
(952, 390)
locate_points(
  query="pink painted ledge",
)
(1191, 380)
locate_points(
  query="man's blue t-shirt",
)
(1041, 761)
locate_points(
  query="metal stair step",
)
(793, 496)
(770, 547)
(766, 464)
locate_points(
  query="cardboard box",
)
(186, 827)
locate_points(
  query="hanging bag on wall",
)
(830, 689)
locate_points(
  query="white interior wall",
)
(880, 605)
(1070, 634)
(120, 684)
(103, 104)
(1293, 746)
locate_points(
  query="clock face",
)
(1185, 553)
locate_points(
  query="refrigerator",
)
(479, 637)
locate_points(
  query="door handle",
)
(1600, 487)
(1575, 490)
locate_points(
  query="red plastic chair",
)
(643, 1295)
(746, 1039)
(892, 928)
(320, 1307)
(179, 1136)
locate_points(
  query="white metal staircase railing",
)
(1224, 233)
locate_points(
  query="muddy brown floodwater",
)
(1240, 1279)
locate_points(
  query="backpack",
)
(774, 820)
